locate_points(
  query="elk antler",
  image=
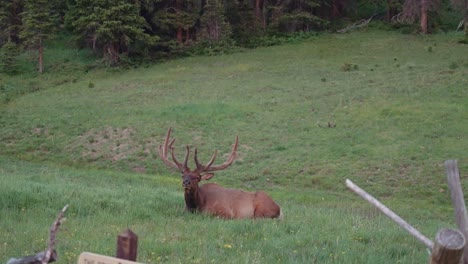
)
(183, 167)
(163, 152)
(209, 168)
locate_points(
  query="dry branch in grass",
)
(50, 255)
(359, 24)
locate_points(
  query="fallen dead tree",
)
(359, 24)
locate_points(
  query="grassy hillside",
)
(319, 227)
(382, 109)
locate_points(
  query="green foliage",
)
(266, 40)
(39, 23)
(292, 16)
(10, 20)
(113, 26)
(214, 26)
(66, 65)
(368, 8)
(299, 21)
(215, 35)
(453, 65)
(9, 58)
(246, 29)
(447, 17)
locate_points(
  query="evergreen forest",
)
(122, 32)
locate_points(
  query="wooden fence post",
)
(448, 247)
(458, 200)
(127, 245)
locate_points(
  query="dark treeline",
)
(120, 29)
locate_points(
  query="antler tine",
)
(208, 165)
(227, 163)
(195, 157)
(180, 166)
(163, 152)
(200, 167)
(187, 153)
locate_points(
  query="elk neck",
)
(192, 199)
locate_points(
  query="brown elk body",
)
(212, 198)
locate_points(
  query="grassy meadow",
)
(380, 108)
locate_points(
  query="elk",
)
(212, 198)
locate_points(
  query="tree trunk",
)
(112, 53)
(179, 35)
(424, 4)
(41, 57)
(187, 35)
(336, 8)
(259, 12)
(94, 42)
(391, 11)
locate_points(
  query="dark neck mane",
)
(192, 200)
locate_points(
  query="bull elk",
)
(212, 198)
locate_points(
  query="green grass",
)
(395, 115)
(318, 227)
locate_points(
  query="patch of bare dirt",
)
(40, 131)
(113, 144)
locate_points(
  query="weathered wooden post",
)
(448, 247)
(458, 200)
(127, 245)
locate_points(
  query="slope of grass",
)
(380, 108)
(318, 227)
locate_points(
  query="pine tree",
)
(214, 26)
(39, 23)
(10, 20)
(245, 27)
(292, 16)
(110, 26)
(8, 58)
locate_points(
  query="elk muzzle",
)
(190, 181)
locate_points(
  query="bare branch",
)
(413, 231)
(53, 231)
(48, 256)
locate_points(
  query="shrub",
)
(453, 65)
(8, 58)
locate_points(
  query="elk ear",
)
(207, 176)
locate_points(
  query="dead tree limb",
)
(356, 25)
(34, 259)
(49, 255)
(53, 232)
(389, 213)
